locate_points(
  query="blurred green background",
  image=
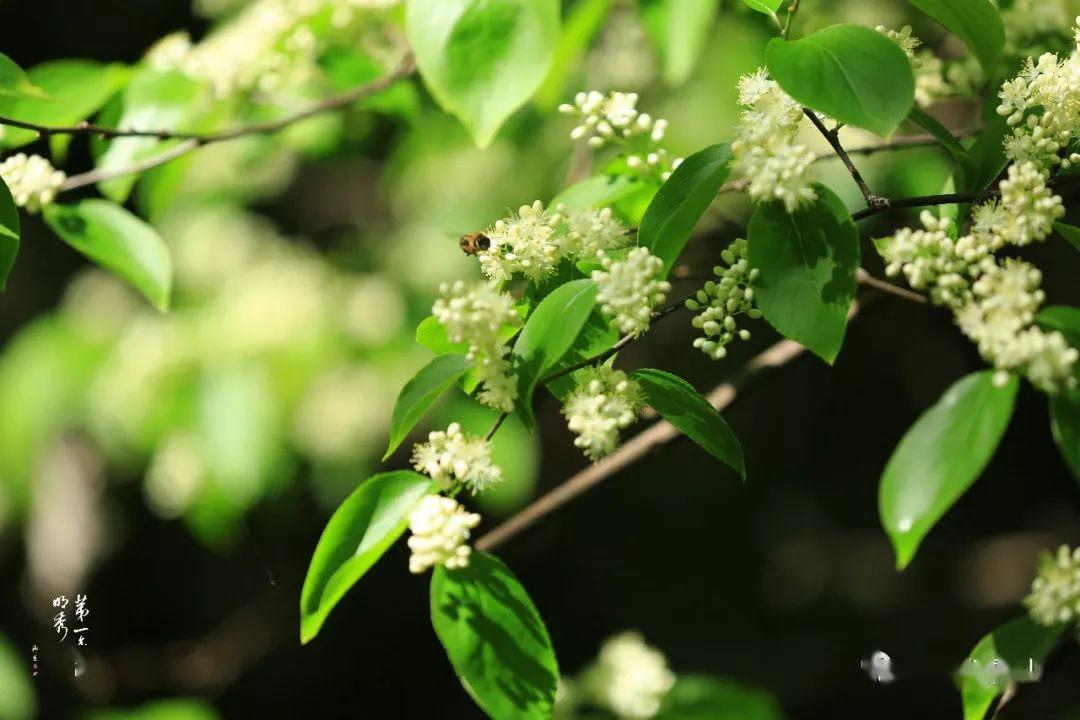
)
(179, 468)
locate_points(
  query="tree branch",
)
(832, 136)
(193, 141)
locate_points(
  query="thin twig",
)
(832, 136)
(869, 280)
(193, 141)
(792, 9)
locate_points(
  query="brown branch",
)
(870, 281)
(832, 136)
(193, 141)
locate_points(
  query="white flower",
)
(1055, 592)
(523, 243)
(630, 288)
(475, 315)
(454, 455)
(1027, 210)
(724, 301)
(766, 150)
(931, 260)
(440, 530)
(590, 231)
(32, 180)
(629, 677)
(169, 52)
(604, 401)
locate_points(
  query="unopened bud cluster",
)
(475, 314)
(1026, 212)
(440, 529)
(1055, 592)
(723, 300)
(630, 677)
(604, 401)
(453, 455)
(629, 289)
(614, 119)
(32, 180)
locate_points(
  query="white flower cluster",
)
(629, 677)
(766, 148)
(591, 231)
(930, 82)
(32, 180)
(614, 120)
(1026, 212)
(440, 529)
(523, 243)
(630, 288)
(994, 301)
(1055, 592)
(454, 455)
(723, 301)
(475, 314)
(1042, 105)
(604, 401)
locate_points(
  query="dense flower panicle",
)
(32, 180)
(630, 288)
(1055, 592)
(932, 260)
(524, 243)
(440, 530)
(614, 119)
(722, 301)
(604, 401)
(767, 152)
(1026, 212)
(629, 677)
(455, 455)
(590, 231)
(475, 315)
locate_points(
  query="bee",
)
(472, 243)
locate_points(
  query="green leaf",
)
(682, 406)
(370, 520)
(932, 125)
(807, 262)
(20, 701)
(14, 82)
(582, 22)
(1069, 232)
(680, 29)
(841, 71)
(118, 241)
(986, 156)
(173, 709)
(681, 202)
(596, 192)
(154, 100)
(482, 59)
(9, 233)
(76, 90)
(596, 336)
(549, 332)
(1011, 652)
(1063, 319)
(421, 392)
(976, 22)
(767, 7)
(940, 456)
(495, 639)
(700, 697)
(1065, 427)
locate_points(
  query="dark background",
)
(785, 581)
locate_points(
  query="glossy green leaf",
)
(932, 125)
(9, 233)
(840, 71)
(680, 29)
(549, 332)
(596, 192)
(976, 22)
(1063, 319)
(1069, 232)
(767, 7)
(421, 392)
(682, 200)
(1014, 651)
(1065, 427)
(596, 336)
(14, 82)
(118, 241)
(495, 639)
(807, 262)
(940, 456)
(482, 59)
(16, 688)
(684, 407)
(154, 100)
(700, 697)
(76, 90)
(370, 520)
(986, 156)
